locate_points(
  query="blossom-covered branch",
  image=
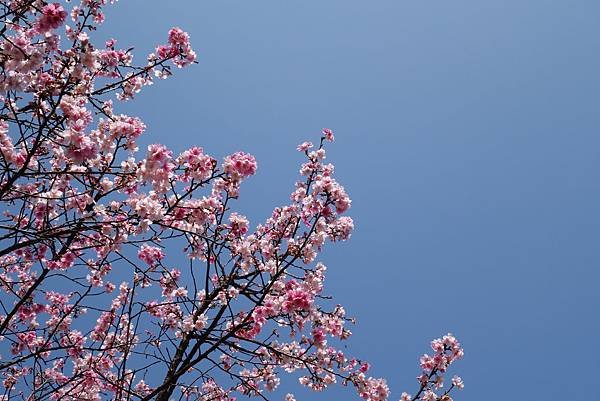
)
(94, 304)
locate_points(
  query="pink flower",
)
(364, 367)
(82, 148)
(239, 224)
(157, 167)
(342, 228)
(178, 37)
(427, 362)
(53, 15)
(304, 146)
(458, 382)
(375, 390)
(142, 388)
(319, 337)
(198, 165)
(179, 48)
(297, 299)
(429, 396)
(328, 134)
(150, 254)
(437, 345)
(240, 165)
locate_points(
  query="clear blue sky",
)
(468, 135)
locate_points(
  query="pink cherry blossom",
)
(304, 146)
(457, 382)
(328, 134)
(150, 254)
(240, 165)
(53, 16)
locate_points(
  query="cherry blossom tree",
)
(92, 306)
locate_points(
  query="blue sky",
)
(468, 135)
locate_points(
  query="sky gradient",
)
(468, 136)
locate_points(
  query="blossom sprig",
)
(446, 351)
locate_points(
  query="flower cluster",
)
(53, 16)
(446, 350)
(178, 48)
